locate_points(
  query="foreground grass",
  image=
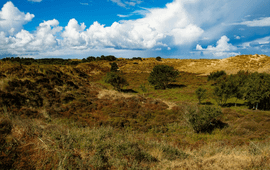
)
(63, 144)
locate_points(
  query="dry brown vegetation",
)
(66, 117)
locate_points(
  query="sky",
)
(184, 29)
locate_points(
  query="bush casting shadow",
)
(174, 86)
(233, 104)
(207, 103)
(216, 124)
(128, 91)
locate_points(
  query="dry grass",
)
(112, 94)
(204, 67)
(213, 156)
(84, 127)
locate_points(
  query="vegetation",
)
(216, 75)
(204, 119)
(201, 94)
(58, 61)
(116, 81)
(162, 75)
(114, 67)
(158, 58)
(55, 116)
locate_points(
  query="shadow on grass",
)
(128, 91)
(233, 104)
(217, 124)
(207, 103)
(174, 86)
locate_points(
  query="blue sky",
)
(134, 28)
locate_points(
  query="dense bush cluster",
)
(107, 58)
(29, 61)
(252, 87)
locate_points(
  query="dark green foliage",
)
(251, 87)
(158, 58)
(223, 90)
(203, 119)
(58, 61)
(201, 94)
(116, 80)
(91, 58)
(137, 58)
(256, 90)
(114, 67)
(238, 82)
(216, 75)
(162, 75)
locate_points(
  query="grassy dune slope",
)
(66, 117)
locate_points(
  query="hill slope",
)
(55, 116)
(231, 65)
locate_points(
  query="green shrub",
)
(200, 93)
(114, 67)
(162, 75)
(216, 75)
(115, 80)
(158, 58)
(203, 119)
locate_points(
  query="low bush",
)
(201, 94)
(116, 80)
(216, 75)
(203, 119)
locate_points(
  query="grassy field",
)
(66, 117)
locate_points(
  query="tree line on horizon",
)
(61, 61)
(58, 61)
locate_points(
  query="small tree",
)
(162, 75)
(223, 91)
(143, 88)
(116, 81)
(114, 67)
(158, 58)
(201, 94)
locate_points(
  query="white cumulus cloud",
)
(73, 34)
(25, 43)
(223, 48)
(12, 19)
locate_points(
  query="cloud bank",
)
(152, 31)
(180, 24)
